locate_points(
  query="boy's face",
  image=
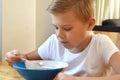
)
(71, 31)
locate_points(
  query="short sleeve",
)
(107, 48)
(45, 50)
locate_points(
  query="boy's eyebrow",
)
(62, 25)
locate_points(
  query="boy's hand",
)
(62, 76)
(13, 56)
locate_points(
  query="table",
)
(8, 73)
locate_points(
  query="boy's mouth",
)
(64, 42)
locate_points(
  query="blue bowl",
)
(37, 74)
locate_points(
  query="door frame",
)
(0, 30)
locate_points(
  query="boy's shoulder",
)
(100, 36)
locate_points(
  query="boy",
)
(88, 55)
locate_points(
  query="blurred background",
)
(25, 24)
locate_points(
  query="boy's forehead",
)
(65, 21)
(66, 15)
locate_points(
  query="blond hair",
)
(83, 9)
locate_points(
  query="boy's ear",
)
(91, 23)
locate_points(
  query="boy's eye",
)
(67, 29)
(56, 28)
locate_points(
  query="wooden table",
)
(8, 73)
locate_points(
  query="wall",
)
(18, 25)
(0, 30)
(43, 22)
(26, 24)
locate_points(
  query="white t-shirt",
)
(92, 61)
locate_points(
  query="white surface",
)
(44, 64)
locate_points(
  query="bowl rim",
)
(65, 63)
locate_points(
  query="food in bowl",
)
(45, 70)
(44, 64)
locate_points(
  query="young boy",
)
(88, 55)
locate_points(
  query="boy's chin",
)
(68, 47)
(74, 50)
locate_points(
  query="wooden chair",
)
(110, 25)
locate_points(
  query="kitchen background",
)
(26, 24)
(0, 30)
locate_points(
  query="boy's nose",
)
(60, 34)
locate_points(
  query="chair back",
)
(110, 25)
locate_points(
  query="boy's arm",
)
(33, 55)
(114, 62)
(15, 56)
(62, 76)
